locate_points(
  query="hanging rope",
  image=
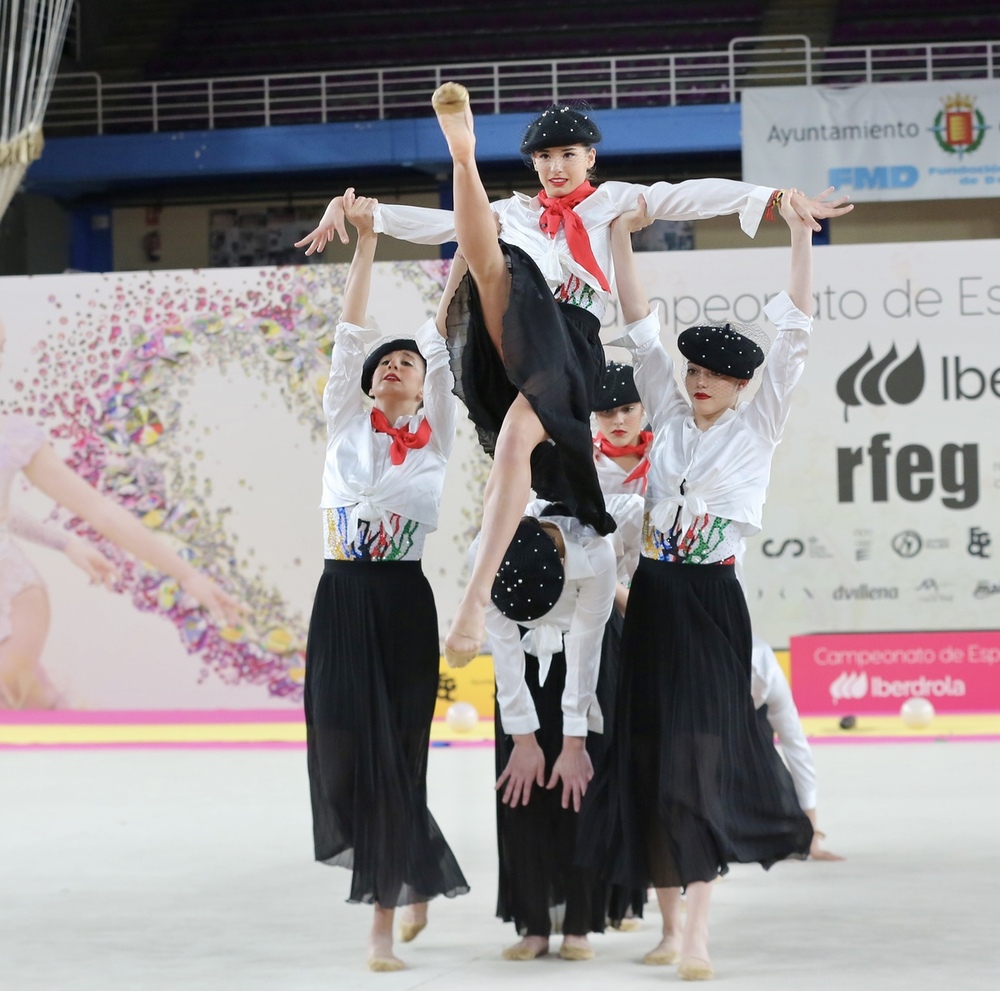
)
(31, 42)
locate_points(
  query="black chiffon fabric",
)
(691, 782)
(552, 354)
(538, 880)
(540, 888)
(371, 684)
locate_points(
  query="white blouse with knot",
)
(693, 199)
(724, 470)
(574, 625)
(359, 475)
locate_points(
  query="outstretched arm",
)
(800, 279)
(46, 472)
(631, 295)
(811, 210)
(331, 223)
(360, 211)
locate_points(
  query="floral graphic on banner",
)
(109, 386)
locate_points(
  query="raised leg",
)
(507, 492)
(475, 223)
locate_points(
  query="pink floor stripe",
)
(944, 738)
(205, 745)
(150, 717)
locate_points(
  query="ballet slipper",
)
(628, 926)
(463, 652)
(523, 950)
(409, 931)
(451, 104)
(385, 965)
(661, 958)
(576, 952)
(695, 969)
(450, 98)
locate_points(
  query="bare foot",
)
(576, 948)
(694, 956)
(527, 948)
(380, 956)
(381, 959)
(695, 969)
(451, 104)
(412, 922)
(666, 952)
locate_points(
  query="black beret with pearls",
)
(378, 352)
(721, 348)
(617, 388)
(557, 127)
(531, 576)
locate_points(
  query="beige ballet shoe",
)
(661, 958)
(450, 98)
(454, 116)
(576, 952)
(628, 926)
(522, 951)
(695, 969)
(409, 931)
(468, 648)
(385, 965)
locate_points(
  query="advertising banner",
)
(193, 400)
(890, 141)
(876, 672)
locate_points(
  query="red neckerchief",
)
(641, 470)
(558, 213)
(402, 439)
(609, 450)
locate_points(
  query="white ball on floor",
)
(462, 717)
(917, 713)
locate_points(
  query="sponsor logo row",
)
(852, 686)
(927, 591)
(905, 544)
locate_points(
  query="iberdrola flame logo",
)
(959, 127)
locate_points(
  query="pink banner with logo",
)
(843, 673)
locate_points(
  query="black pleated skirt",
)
(541, 889)
(371, 683)
(553, 356)
(691, 782)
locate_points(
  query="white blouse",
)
(358, 473)
(575, 624)
(693, 199)
(770, 687)
(613, 478)
(726, 468)
(627, 512)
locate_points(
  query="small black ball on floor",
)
(848, 722)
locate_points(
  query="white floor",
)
(168, 869)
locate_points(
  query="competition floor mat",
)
(280, 728)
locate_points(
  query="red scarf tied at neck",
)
(402, 439)
(609, 450)
(558, 213)
(641, 470)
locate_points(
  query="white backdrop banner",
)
(192, 398)
(891, 141)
